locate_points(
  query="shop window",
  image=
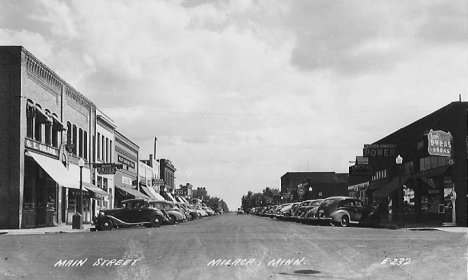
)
(432, 162)
(107, 150)
(110, 151)
(69, 133)
(104, 184)
(99, 146)
(85, 144)
(99, 182)
(80, 145)
(103, 148)
(75, 140)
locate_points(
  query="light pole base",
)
(77, 222)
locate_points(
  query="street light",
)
(81, 164)
(401, 221)
(78, 216)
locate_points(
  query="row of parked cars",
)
(150, 213)
(338, 210)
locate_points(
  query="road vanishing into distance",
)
(234, 246)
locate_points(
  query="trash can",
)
(77, 221)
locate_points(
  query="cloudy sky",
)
(239, 92)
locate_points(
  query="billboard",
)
(379, 150)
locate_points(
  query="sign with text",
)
(360, 170)
(379, 150)
(439, 143)
(107, 168)
(33, 145)
(125, 161)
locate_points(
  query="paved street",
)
(236, 247)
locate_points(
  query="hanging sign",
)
(439, 143)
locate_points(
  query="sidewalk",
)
(423, 227)
(62, 228)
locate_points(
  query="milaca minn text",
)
(252, 262)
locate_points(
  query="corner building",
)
(46, 127)
(427, 180)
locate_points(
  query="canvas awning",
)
(149, 193)
(133, 192)
(377, 184)
(434, 172)
(171, 197)
(155, 194)
(390, 187)
(99, 193)
(56, 170)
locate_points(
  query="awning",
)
(393, 185)
(358, 187)
(434, 172)
(147, 191)
(133, 192)
(184, 200)
(56, 170)
(97, 191)
(377, 184)
(155, 194)
(170, 197)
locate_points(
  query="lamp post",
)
(77, 222)
(401, 221)
(81, 164)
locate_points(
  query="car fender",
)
(336, 216)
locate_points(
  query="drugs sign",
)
(439, 143)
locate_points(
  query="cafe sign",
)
(439, 143)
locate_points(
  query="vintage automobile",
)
(133, 212)
(240, 211)
(299, 213)
(308, 215)
(340, 210)
(174, 213)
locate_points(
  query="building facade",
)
(125, 179)
(433, 171)
(47, 127)
(299, 186)
(167, 171)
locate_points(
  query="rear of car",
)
(308, 216)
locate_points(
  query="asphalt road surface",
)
(236, 247)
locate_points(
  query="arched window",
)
(85, 144)
(75, 140)
(30, 114)
(80, 144)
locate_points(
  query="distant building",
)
(166, 173)
(298, 186)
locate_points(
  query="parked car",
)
(283, 211)
(133, 212)
(174, 213)
(298, 215)
(240, 211)
(208, 210)
(340, 210)
(308, 215)
(190, 213)
(201, 211)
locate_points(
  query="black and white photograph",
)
(233, 139)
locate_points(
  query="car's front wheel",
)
(172, 219)
(106, 224)
(344, 222)
(156, 221)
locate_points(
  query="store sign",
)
(360, 170)
(379, 150)
(107, 168)
(33, 145)
(125, 161)
(126, 180)
(439, 143)
(158, 182)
